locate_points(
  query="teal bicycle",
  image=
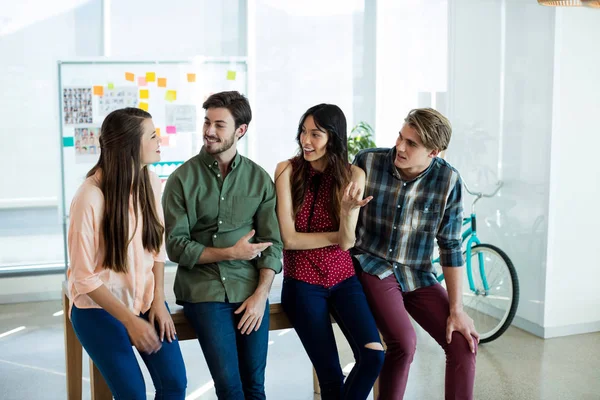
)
(491, 286)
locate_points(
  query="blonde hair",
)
(433, 128)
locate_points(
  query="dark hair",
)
(329, 118)
(235, 102)
(121, 177)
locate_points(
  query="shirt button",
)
(405, 184)
(391, 250)
(398, 205)
(222, 198)
(394, 229)
(215, 236)
(220, 222)
(223, 278)
(219, 175)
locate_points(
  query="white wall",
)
(178, 29)
(28, 71)
(29, 154)
(572, 294)
(412, 53)
(500, 100)
(303, 56)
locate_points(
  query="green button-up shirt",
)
(204, 210)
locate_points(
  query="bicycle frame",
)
(470, 236)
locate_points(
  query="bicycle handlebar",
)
(481, 194)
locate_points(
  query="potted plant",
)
(361, 137)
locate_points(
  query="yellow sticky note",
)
(144, 94)
(231, 75)
(150, 76)
(99, 90)
(171, 95)
(111, 85)
(157, 131)
(143, 106)
(191, 77)
(129, 76)
(162, 82)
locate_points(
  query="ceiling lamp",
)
(591, 3)
(561, 3)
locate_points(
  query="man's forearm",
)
(265, 280)
(214, 254)
(453, 277)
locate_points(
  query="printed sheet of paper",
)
(182, 117)
(77, 105)
(87, 144)
(119, 97)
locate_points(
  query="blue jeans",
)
(236, 362)
(106, 341)
(308, 307)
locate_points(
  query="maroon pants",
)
(430, 308)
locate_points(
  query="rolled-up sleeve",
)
(82, 241)
(449, 234)
(180, 246)
(267, 230)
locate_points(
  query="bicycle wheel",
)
(494, 310)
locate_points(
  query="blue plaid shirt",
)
(396, 231)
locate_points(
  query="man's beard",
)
(224, 146)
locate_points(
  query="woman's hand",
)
(142, 335)
(352, 198)
(160, 315)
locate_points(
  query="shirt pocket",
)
(244, 208)
(425, 216)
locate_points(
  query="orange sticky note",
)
(143, 106)
(171, 95)
(99, 90)
(129, 76)
(191, 77)
(157, 131)
(231, 75)
(150, 76)
(162, 82)
(144, 94)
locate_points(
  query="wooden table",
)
(98, 387)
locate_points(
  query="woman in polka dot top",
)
(319, 195)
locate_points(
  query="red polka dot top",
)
(326, 266)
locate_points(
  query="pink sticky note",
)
(142, 81)
(171, 129)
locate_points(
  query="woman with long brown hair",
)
(319, 195)
(116, 269)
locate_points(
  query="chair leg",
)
(98, 386)
(316, 386)
(73, 356)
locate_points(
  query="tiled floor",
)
(516, 366)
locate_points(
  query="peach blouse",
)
(135, 289)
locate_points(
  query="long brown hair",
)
(331, 119)
(122, 177)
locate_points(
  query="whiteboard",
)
(171, 91)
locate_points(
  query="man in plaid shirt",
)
(417, 198)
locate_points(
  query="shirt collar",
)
(210, 161)
(394, 171)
